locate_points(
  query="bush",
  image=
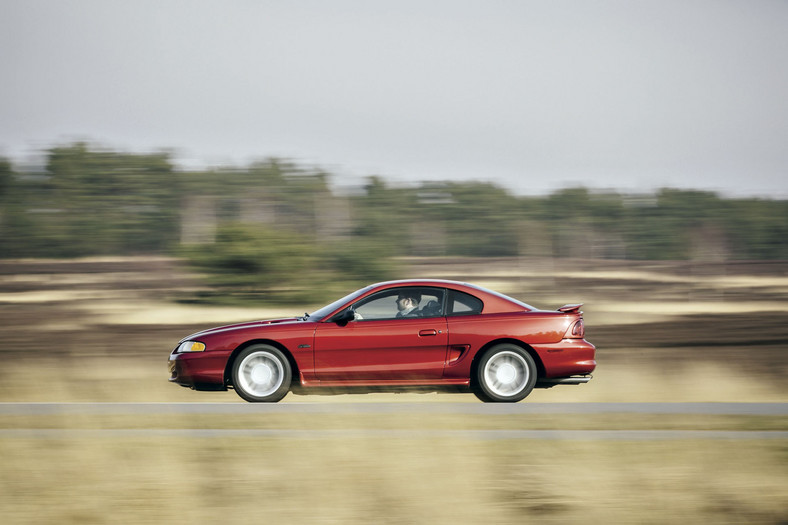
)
(253, 264)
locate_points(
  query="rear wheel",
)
(506, 374)
(261, 374)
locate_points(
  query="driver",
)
(407, 303)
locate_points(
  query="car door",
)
(383, 345)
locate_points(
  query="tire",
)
(261, 374)
(506, 374)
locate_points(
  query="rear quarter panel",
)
(543, 332)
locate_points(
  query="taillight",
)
(578, 329)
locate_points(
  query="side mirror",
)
(345, 316)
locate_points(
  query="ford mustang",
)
(412, 334)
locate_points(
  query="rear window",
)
(461, 303)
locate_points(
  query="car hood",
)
(241, 326)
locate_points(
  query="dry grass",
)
(364, 480)
(356, 421)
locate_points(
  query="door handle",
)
(423, 333)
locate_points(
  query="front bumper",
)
(199, 370)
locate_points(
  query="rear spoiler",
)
(570, 308)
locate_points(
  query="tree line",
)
(91, 201)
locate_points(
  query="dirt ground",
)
(101, 329)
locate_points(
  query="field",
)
(101, 329)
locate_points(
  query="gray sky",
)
(535, 96)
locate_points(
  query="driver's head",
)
(408, 299)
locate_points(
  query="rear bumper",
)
(567, 358)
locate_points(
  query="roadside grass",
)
(389, 418)
(390, 480)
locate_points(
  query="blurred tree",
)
(383, 217)
(6, 178)
(480, 220)
(112, 202)
(585, 224)
(662, 230)
(254, 263)
(758, 228)
(249, 255)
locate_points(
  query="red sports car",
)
(422, 334)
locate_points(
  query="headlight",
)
(191, 346)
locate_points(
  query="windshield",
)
(323, 312)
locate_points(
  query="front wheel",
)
(506, 374)
(261, 374)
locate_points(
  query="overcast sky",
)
(535, 96)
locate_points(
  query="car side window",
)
(379, 306)
(401, 303)
(462, 303)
